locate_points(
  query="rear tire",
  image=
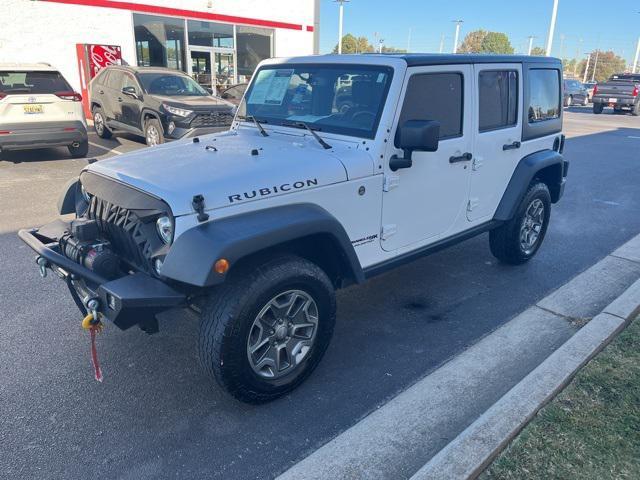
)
(635, 111)
(80, 151)
(598, 107)
(249, 341)
(100, 124)
(517, 240)
(585, 102)
(568, 101)
(153, 133)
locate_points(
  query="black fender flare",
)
(151, 113)
(192, 256)
(67, 202)
(528, 168)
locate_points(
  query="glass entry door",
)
(212, 69)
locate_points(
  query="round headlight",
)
(164, 225)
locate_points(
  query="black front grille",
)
(214, 119)
(124, 230)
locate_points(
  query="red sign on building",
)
(91, 59)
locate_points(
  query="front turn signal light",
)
(221, 266)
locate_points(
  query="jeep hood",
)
(235, 167)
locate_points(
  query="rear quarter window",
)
(27, 82)
(544, 95)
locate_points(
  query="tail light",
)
(2, 95)
(635, 91)
(76, 97)
(595, 90)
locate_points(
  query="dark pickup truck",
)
(619, 92)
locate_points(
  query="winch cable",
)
(94, 326)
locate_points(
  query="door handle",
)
(101, 92)
(511, 146)
(119, 99)
(465, 157)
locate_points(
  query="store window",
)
(159, 41)
(254, 45)
(209, 34)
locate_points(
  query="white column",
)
(316, 27)
(586, 68)
(457, 35)
(552, 27)
(530, 45)
(340, 29)
(635, 59)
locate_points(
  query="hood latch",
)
(198, 205)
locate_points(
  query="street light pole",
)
(586, 68)
(531, 37)
(457, 35)
(635, 59)
(441, 43)
(341, 3)
(552, 27)
(595, 65)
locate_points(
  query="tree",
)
(473, 42)
(481, 41)
(496, 42)
(608, 64)
(538, 51)
(392, 50)
(351, 44)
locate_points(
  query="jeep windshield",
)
(343, 99)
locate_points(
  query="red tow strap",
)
(94, 355)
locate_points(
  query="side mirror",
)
(415, 135)
(131, 91)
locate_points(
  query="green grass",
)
(591, 430)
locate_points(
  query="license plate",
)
(613, 100)
(33, 108)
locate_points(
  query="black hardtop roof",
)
(423, 59)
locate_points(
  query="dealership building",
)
(218, 42)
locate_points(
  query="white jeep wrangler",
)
(319, 184)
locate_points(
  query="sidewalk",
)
(453, 422)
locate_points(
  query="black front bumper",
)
(127, 301)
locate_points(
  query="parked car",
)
(619, 92)
(257, 227)
(234, 93)
(157, 103)
(590, 86)
(574, 93)
(38, 108)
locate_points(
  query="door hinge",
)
(477, 163)
(473, 203)
(390, 182)
(388, 230)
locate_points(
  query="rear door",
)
(112, 87)
(35, 96)
(498, 136)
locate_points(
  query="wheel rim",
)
(282, 334)
(531, 227)
(98, 123)
(153, 136)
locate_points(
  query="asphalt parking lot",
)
(156, 416)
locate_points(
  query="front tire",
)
(585, 102)
(266, 328)
(153, 133)
(517, 241)
(100, 124)
(597, 108)
(80, 151)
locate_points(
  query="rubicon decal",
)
(266, 191)
(364, 240)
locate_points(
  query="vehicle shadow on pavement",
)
(157, 414)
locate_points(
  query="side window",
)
(115, 80)
(544, 94)
(101, 78)
(435, 96)
(129, 81)
(498, 99)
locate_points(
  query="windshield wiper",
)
(324, 144)
(263, 132)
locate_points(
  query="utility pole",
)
(635, 59)
(316, 27)
(595, 65)
(441, 43)
(586, 68)
(380, 43)
(341, 4)
(562, 37)
(552, 28)
(531, 37)
(409, 41)
(457, 35)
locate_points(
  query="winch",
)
(83, 246)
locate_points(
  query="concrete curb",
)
(476, 447)
(453, 422)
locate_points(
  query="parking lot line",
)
(105, 148)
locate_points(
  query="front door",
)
(201, 68)
(498, 135)
(427, 202)
(130, 106)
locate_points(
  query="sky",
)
(584, 24)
